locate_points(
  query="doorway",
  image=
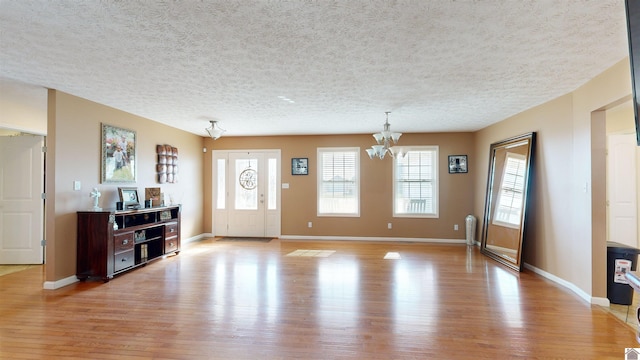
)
(622, 195)
(246, 193)
(621, 165)
(21, 204)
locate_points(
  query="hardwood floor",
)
(249, 300)
(9, 269)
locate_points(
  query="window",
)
(415, 182)
(339, 181)
(509, 203)
(221, 191)
(272, 189)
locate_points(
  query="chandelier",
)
(384, 140)
(214, 130)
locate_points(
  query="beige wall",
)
(74, 145)
(620, 119)
(559, 238)
(552, 123)
(23, 107)
(299, 201)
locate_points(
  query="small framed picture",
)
(299, 166)
(457, 164)
(129, 197)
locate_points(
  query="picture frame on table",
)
(129, 197)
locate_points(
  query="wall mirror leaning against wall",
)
(505, 212)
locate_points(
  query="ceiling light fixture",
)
(384, 140)
(214, 130)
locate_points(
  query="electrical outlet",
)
(310, 224)
(455, 227)
(389, 226)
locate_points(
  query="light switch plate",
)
(77, 185)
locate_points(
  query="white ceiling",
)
(436, 65)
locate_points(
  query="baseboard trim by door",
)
(52, 285)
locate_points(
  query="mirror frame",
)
(516, 262)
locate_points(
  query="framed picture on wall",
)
(457, 164)
(299, 166)
(118, 155)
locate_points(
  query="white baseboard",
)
(374, 238)
(52, 285)
(586, 297)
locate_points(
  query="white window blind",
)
(339, 181)
(508, 210)
(416, 183)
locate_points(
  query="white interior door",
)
(21, 205)
(621, 189)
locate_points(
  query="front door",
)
(21, 205)
(247, 196)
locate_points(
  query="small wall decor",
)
(118, 154)
(248, 178)
(457, 164)
(167, 167)
(299, 166)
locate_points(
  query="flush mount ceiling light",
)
(384, 140)
(214, 130)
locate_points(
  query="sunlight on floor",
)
(10, 269)
(311, 253)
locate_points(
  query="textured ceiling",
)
(313, 67)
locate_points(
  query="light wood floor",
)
(248, 300)
(10, 269)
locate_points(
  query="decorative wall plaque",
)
(167, 167)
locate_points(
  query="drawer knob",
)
(125, 242)
(124, 259)
(172, 230)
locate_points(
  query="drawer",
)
(170, 229)
(171, 244)
(124, 260)
(123, 242)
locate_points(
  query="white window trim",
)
(319, 152)
(500, 191)
(436, 184)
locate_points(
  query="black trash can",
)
(620, 258)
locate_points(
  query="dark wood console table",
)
(112, 242)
